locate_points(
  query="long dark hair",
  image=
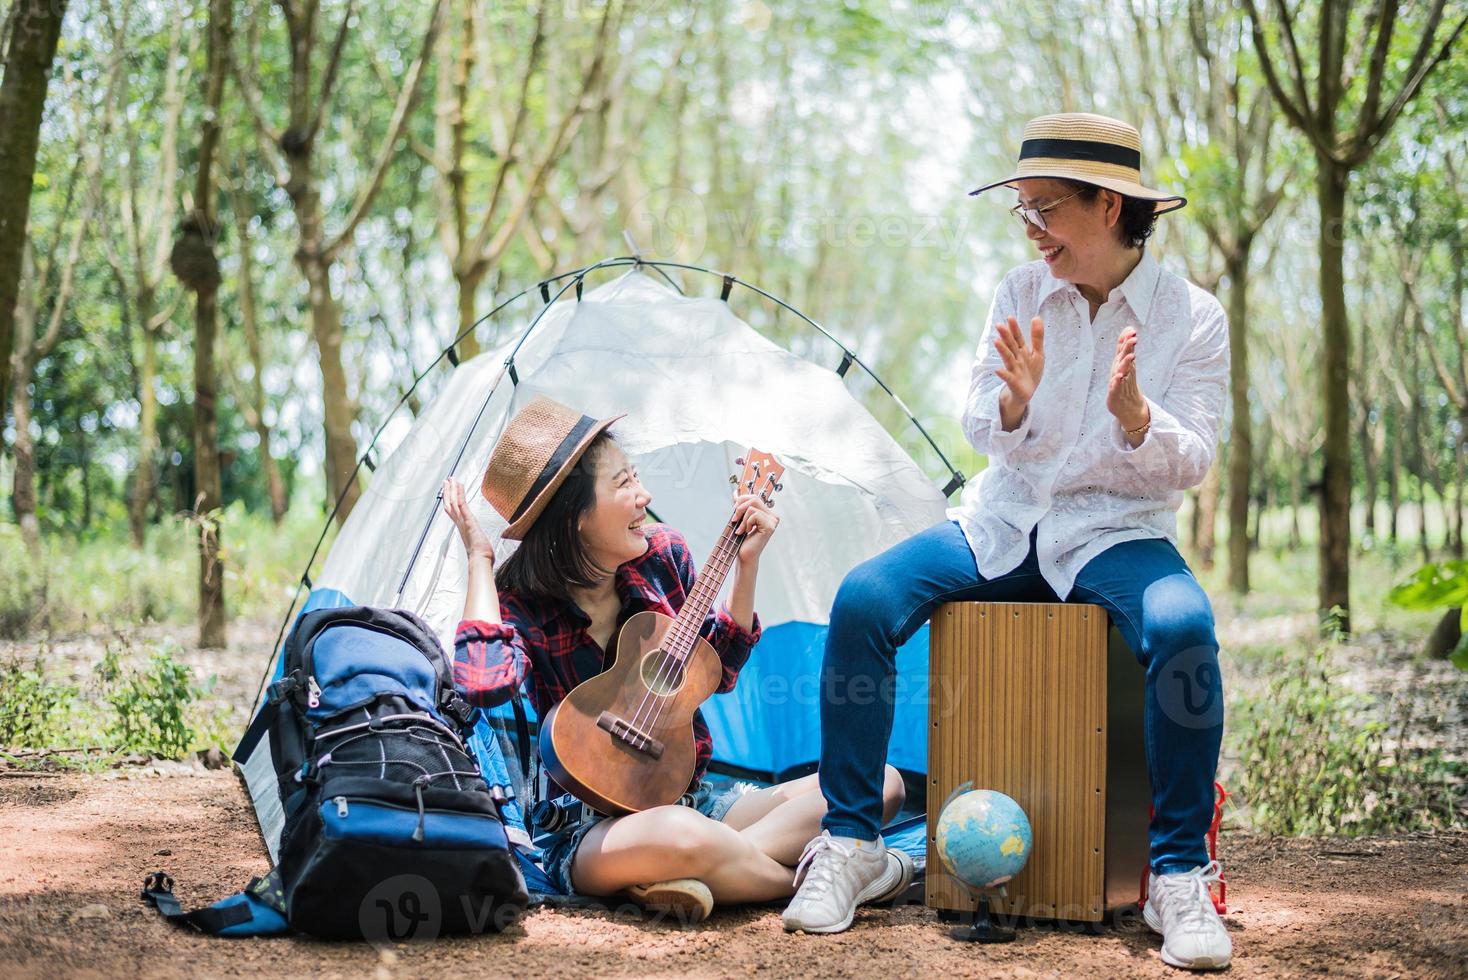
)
(551, 560)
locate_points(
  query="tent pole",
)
(509, 367)
(577, 276)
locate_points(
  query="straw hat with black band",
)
(533, 457)
(1088, 148)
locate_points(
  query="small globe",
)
(984, 838)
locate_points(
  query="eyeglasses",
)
(1036, 216)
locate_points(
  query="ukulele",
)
(622, 741)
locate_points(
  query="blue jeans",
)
(1151, 596)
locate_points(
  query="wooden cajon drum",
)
(1042, 702)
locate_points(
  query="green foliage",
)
(1434, 586)
(34, 710)
(1311, 765)
(17, 585)
(105, 579)
(137, 703)
(150, 704)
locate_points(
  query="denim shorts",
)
(558, 852)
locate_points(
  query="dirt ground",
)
(77, 847)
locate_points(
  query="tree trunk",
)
(341, 445)
(1440, 491)
(326, 328)
(1455, 308)
(1264, 494)
(1334, 596)
(1369, 466)
(1296, 493)
(144, 476)
(468, 306)
(310, 103)
(1241, 436)
(35, 29)
(1420, 455)
(197, 265)
(86, 467)
(23, 493)
(207, 484)
(1393, 476)
(1207, 519)
(23, 486)
(1458, 486)
(255, 404)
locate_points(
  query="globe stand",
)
(984, 929)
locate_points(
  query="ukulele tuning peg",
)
(779, 487)
(739, 461)
(733, 480)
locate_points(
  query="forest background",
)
(232, 232)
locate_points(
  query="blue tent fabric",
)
(770, 722)
(492, 742)
(911, 837)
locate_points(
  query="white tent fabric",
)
(698, 387)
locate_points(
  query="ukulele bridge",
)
(625, 731)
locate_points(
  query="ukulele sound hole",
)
(661, 673)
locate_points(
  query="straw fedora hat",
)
(1089, 148)
(533, 457)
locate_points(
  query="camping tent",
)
(698, 386)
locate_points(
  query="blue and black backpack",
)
(390, 832)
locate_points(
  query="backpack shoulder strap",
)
(256, 911)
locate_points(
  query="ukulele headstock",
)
(761, 475)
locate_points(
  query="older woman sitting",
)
(1096, 393)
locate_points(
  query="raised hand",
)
(1123, 396)
(1023, 363)
(476, 540)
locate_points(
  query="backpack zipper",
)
(313, 692)
(422, 815)
(343, 809)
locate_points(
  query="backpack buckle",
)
(458, 709)
(309, 770)
(283, 688)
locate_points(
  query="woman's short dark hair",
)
(551, 560)
(1138, 217)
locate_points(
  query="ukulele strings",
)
(668, 666)
(717, 568)
(718, 565)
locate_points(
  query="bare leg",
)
(677, 842)
(753, 807)
(780, 820)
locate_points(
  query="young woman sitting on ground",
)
(548, 617)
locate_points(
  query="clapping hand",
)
(1124, 397)
(1023, 363)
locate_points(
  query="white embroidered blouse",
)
(1066, 468)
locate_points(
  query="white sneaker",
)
(1180, 907)
(836, 874)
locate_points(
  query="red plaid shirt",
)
(547, 643)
